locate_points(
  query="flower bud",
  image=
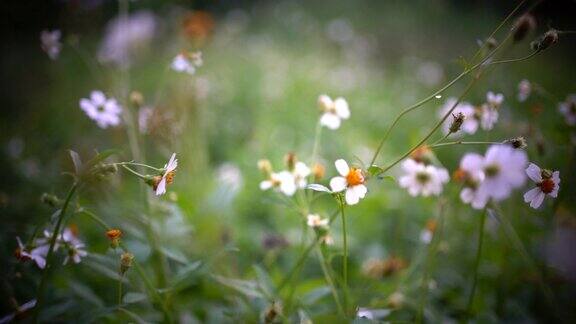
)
(290, 160)
(456, 122)
(50, 200)
(318, 171)
(136, 98)
(126, 260)
(114, 237)
(523, 26)
(549, 38)
(517, 142)
(265, 166)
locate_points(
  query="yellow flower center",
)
(355, 177)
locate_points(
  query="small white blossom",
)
(333, 111)
(187, 62)
(37, 254)
(167, 176)
(524, 90)
(547, 184)
(315, 221)
(301, 172)
(423, 179)
(488, 116)
(364, 313)
(568, 109)
(471, 165)
(281, 181)
(104, 111)
(351, 180)
(470, 124)
(494, 99)
(50, 43)
(76, 252)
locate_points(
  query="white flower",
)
(75, 253)
(282, 181)
(167, 177)
(315, 221)
(104, 111)
(494, 99)
(471, 164)
(50, 43)
(127, 38)
(187, 62)
(423, 179)
(547, 183)
(301, 172)
(426, 236)
(351, 180)
(488, 116)
(37, 254)
(470, 125)
(568, 109)
(364, 313)
(333, 111)
(524, 90)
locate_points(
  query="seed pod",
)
(548, 39)
(290, 160)
(126, 260)
(517, 142)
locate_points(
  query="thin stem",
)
(476, 263)
(464, 143)
(139, 164)
(345, 251)
(141, 176)
(50, 254)
(328, 277)
(317, 136)
(520, 59)
(120, 291)
(296, 267)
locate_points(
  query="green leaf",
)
(315, 295)
(264, 280)
(101, 156)
(85, 292)
(246, 287)
(134, 297)
(184, 277)
(318, 187)
(375, 170)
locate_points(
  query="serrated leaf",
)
(76, 161)
(134, 297)
(318, 187)
(247, 287)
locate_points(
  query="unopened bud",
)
(318, 171)
(456, 122)
(126, 260)
(290, 160)
(136, 98)
(517, 142)
(265, 166)
(523, 26)
(50, 200)
(549, 38)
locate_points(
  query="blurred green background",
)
(265, 63)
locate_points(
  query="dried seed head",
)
(126, 260)
(272, 312)
(136, 98)
(517, 142)
(290, 160)
(523, 26)
(456, 122)
(549, 38)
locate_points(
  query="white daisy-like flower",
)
(547, 184)
(568, 109)
(50, 43)
(104, 111)
(488, 116)
(494, 99)
(470, 124)
(301, 172)
(37, 254)
(187, 62)
(282, 181)
(421, 179)
(76, 252)
(472, 175)
(315, 221)
(351, 180)
(524, 90)
(333, 111)
(167, 177)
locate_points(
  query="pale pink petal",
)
(534, 172)
(161, 189)
(338, 184)
(537, 201)
(531, 194)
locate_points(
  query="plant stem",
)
(50, 254)
(141, 176)
(476, 264)
(139, 164)
(464, 143)
(345, 257)
(120, 291)
(328, 277)
(317, 136)
(296, 267)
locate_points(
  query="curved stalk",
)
(476, 264)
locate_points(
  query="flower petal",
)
(341, 107)
(531, 194)
(352, 197)
(342, 167)
(330, 120)
(338, 184)
(537, 201)
(534, 172)
(161, 189)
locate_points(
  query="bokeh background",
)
(265, 63)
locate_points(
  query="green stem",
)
(139, 164)
(297, 266)
(141, 176)
(120, 291)
(345, 252)
(50, 254)
(464, 143)
(476, 264)
(328, 277)
(317, 135)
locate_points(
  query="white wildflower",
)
(333, 111)
(104, 111)
(423, 179)
(547, 184)
(351, 180)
